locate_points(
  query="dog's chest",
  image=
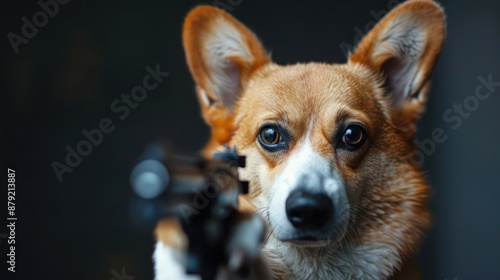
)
(361, 262)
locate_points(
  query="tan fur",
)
(386, 190)
(435, 31)
(170, 232)
(199, 22)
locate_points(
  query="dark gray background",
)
(65, 78)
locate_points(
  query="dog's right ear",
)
(222, 54)
(403, 48)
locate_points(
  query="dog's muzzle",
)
(308, 203)
(309, 211)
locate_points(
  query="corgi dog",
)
(329, 147)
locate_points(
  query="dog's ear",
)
(222, 54)
(403, 48)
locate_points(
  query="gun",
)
(203, 195)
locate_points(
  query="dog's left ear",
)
(403, 48)
(222, 54)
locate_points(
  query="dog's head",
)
(329, 146)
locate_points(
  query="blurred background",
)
(65, 77)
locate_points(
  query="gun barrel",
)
(149, 178)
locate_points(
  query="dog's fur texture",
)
(379, 193)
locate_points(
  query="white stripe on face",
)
(307, 170)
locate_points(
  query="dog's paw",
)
(170, 264)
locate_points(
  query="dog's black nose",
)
(308, 210)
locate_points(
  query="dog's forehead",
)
(304, 90)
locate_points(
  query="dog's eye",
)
(271, 139)
(269, 136)
(354, 136)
